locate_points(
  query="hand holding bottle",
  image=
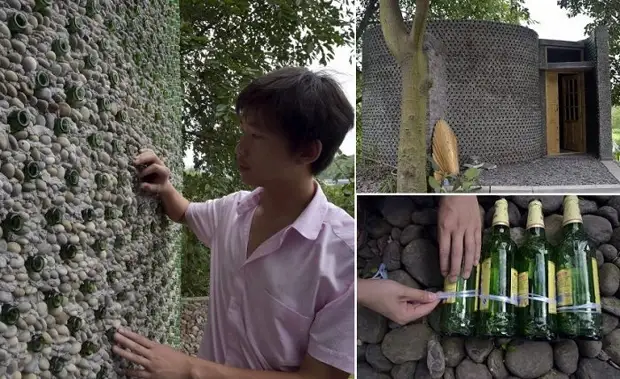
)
(395, 301)
(459, 230)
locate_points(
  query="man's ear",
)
(310, 152)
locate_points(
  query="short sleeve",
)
(202, 217)
(332, 334)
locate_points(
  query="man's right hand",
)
(154, 176)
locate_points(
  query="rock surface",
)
(412, 349)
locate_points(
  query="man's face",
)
(263, 156)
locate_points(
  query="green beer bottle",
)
(458, 314)
(578, 297)
(498, 279)
(535, 263)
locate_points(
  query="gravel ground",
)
(401, 232)
(583, 170)
(193, 318)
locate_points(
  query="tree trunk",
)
(412, 137)
(407, 48)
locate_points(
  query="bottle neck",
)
(536, 231)
(575, 227)
(501, 229)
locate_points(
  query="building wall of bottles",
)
(83, 86)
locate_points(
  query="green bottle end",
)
(100, 312)
(95, 139)
(36, 344)
(36, 263)
(19, 120)
(74, 324)
(88, 287)
(68, 252)
(93, 7)
(54, 216)
(42, 4)
(10, 314)
(100, 245)
(14, 223)
(33, 171)
(18, 22)
(72, 177)
(102, 373)
(91, 60)
(123, 116)
(76, 93)
(54, 300)
(62, 125)
(102, 180)
(88, 214)
(88, 348)
(42, 80)
(56, 365)
(61, 46)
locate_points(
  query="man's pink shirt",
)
(294, 295)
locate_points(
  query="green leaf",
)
(433, 182)
(472, 173)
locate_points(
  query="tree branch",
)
(419, 23)
(393, 26)
(373, 6)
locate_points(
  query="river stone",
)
(614, 202)
(371, 326)
(609, 279)
(454, 350)
(421, 260)
(404, 371)
(610, 253)
(449, 373)
(495, 362)
(615, 238)
(391, 256)
(550, 204)
(410, 233)
(403, 278)
(589, 349)
(610, 214)
(592, 368)
(435, 360)
(471, 370)
(600, 259)
(378, 227)
(397, 210)
(609, 323)
(597, 228)
(554, 374)
(408, 343)
(364, 371)
(478, 348)
(611, 305)
(587, 206)
(566, 356)
(529, 359)
(553, 228)
(426, 216)
(518, 235)
(376, 359)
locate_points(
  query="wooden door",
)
(553, 113)
(573, 115)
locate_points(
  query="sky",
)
(553, 23)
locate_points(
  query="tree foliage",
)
(603, 13)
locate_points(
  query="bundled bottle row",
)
(536, 291)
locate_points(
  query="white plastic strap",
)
(461, 294)
(381, 273)
(503, 299)
(536, 297)
(580, 308)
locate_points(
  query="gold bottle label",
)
(514, 285)
(535, 217)
(500, 217)
(477, 288)
(571, 210)
(551, 287)
(597, 291)
(485, 279)
(565, 287)
(524, 289)
(451, 288)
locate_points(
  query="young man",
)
(281, 300)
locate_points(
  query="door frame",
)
(552, 103)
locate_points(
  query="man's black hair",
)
(303, 106)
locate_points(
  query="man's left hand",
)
(159, 361)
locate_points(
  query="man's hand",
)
(155, 175)
(395, 301)
(159, 361)
(460, 234)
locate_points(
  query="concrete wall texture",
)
(486, 84)
(83, 86)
